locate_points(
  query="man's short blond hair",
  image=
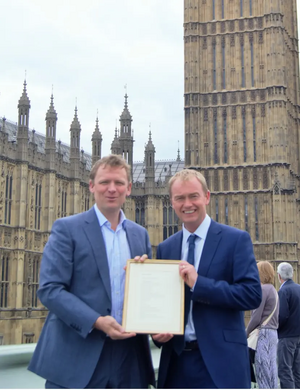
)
(188, 174)
(113, 160)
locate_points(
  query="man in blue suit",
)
(288, 350)
(82, 344)
(221, 280)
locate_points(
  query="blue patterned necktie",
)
(178, 341)
(191, 252)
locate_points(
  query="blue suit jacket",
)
(228, 283)
(289, 310)
(75, 287)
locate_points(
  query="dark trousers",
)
(119, 367)
(188, 371)
(288, 353)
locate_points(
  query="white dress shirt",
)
(201, 234)
(118, 252)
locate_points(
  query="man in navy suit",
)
(82, 344)
(288, 350)
(221, 280)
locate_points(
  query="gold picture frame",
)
(154, 297)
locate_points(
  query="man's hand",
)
(188, 273)
(112, 328)
(162, 337)
(138, 259)
(141, 259)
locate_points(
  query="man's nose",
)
(111, 187)
(187, 202)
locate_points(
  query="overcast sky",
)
(89, 50)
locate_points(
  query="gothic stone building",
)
(43, 179)
(241, 102)
(241, 91)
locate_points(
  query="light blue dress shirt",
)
(118, 252)
(201, 234)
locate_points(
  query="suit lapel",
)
(95, 237)
(132, 239)
(175, 250)
(211, 243)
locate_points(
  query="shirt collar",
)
(201, 230)
(103, 220)
(283, 284)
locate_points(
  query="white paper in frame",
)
(154, 297)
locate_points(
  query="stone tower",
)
(75, 131)
(50, 144)
(126, 137)
(96, 143)
(149, 166)
(115, 145)
(50, 176)
(242, 110)
(23, 125)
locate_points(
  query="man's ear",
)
(91, 186)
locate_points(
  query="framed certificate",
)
(154, 297)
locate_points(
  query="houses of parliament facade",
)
(241, 104)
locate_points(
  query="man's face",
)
(110, 188)
(189, 202)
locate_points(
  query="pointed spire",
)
(97, 133)
(126, 96)
(178, 153)
(51, 113)
(125, 114)
(75, 124)
(150, 145)
(24, 100)
(115, 145)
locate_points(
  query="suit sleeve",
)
(148, 246)
(158, 253)
(283, 307)
(242, 291)
(56, 279)
(257, 314)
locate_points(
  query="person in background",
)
(288, 351)
(221, 282)
(82, 278)
(265, 361)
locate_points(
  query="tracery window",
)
(38, 206)
(170, 220)
(4, 282)
(256, 218)
(8, 199)
(214, 67)
(246, 214)
(64, 203)
(140, 213)
(34, 279)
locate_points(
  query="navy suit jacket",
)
(289, 310)
(75, 287)
(228, 283)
